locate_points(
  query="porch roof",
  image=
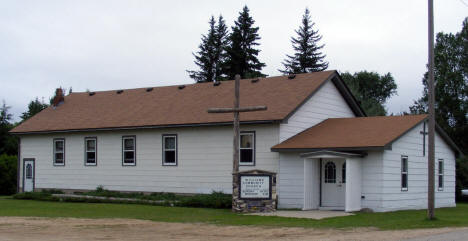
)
(342, 134)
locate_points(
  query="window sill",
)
(246, 164)
(169, 164)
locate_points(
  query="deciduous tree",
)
(371, 90)
(34, 107)
(451, 85)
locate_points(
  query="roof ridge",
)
(191, 84)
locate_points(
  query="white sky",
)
(101, 45)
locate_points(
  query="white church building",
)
(327, 154)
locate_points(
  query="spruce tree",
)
(211, 53)
(307, 57)
(220, 44)
(241, 52)
(204, 58)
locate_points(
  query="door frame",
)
(34, 172)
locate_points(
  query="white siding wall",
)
(204, 160)
(411, 145)
(291, 180)
(326, 103)
(372, 172)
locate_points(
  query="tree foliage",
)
(451, 85)
(34, 107)
(451, 93)
(8, 143)
(211, 53)
(8, 168)
(371, 90)
(307, 57)
(242, 56)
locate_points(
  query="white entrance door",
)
(28, 175)
(333, 183)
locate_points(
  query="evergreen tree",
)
(211, 53)
(241, 52)
(307, 57)
(34, 107)
(220, 44)
(205, 57)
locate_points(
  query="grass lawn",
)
(446, 217)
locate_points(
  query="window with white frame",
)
(330, 172)
(247, 148)
(91, 151)
(441, 175)
(169, 150)
(128, 151)
(404, 173)
(59, 152)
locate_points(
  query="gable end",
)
(344, 91)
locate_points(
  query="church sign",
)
(254, 191)
(255, 186)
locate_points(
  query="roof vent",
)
(91, 93)
(255, 80)
(181, 87)
(216, 83)
(149, 89)
(119, 91)
(291, 76)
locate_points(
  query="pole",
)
(235, 161)
(235, 158)
(431, 159)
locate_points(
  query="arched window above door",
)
(330, 172)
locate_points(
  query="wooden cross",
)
(424, 133)
(236, 110)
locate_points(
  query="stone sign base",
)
(251, 204)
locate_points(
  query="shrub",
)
(213, 200)
(8, 169)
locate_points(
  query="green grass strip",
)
(446, 217)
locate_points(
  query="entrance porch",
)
(332, 181)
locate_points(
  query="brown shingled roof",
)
(352, 133)
(171, 105)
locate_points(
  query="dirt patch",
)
(25, 228)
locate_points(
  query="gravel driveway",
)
(30, 228)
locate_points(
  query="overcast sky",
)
(102, 45)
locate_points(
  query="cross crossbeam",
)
(240, 109)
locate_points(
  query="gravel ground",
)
(30, 228)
